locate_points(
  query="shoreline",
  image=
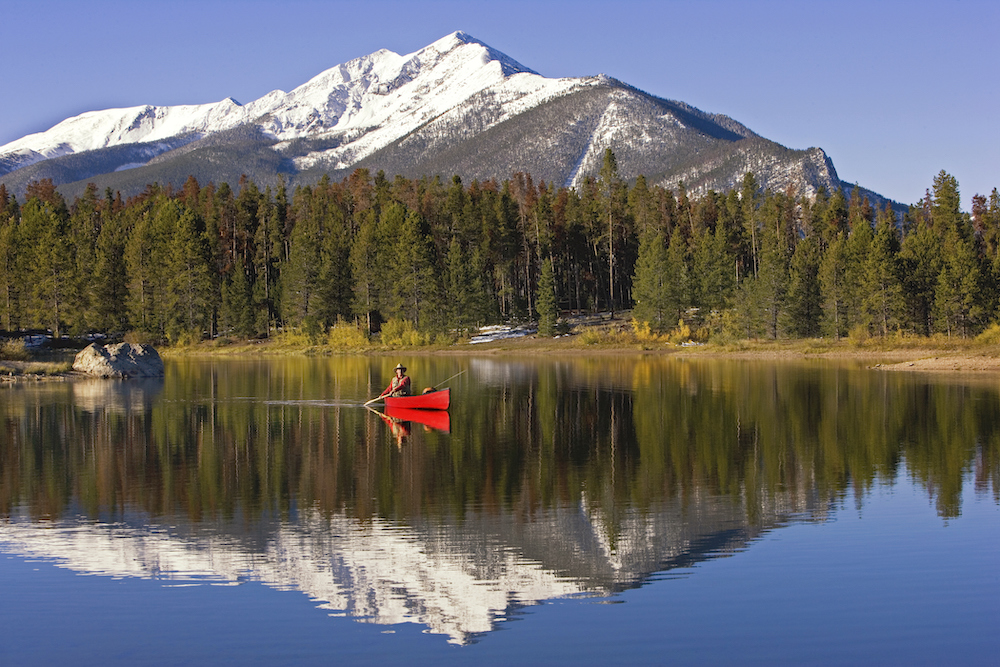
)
(880, 355)
(910, 356)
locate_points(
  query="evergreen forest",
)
(441, 258)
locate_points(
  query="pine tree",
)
(856, 254)
(48, 260)
(649, 285)
(12, 280)
(268, 244)
(611, 185)
(548, 311)
(414, 280)
(299, 280)
(804, 311)
(772, 277)
(237, 302)
(147, 259)
(189, 283)
(713, 271)
(677, 283)
(110, 284)
(920, 265)
(364, 258)
(957, 298)
(883, 291)
(86, 221)
(750, 199)
(833, 287)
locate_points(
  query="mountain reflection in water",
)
(558, 478)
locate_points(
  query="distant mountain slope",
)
(454, 107)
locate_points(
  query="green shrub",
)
(401, 333)
(183, 338)
(991, 336)
(859, 335)
(680, 334)
(346, 336)
(14, 350)
(290, 337)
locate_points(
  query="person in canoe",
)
(399, 385)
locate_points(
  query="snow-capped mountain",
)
(454, 107)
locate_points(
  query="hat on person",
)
(400, 367)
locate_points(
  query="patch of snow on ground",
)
(503, 331)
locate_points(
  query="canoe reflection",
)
(439, 420)
(400, 421)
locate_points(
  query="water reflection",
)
(552, 478)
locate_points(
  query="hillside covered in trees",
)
(445, 257)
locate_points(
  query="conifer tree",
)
(48, 259)
(772, 277)
(110, 284)
(611, 187)
(677, 277)
(649, 285)
(335, 288)
(414, 287)
(364, 258)
(12, 281)
(833, 286)
(834, 217)
(189, 282)
(268, 244)
(957, 299)
(299, 280)
(85, 227)
(146, 259)
(750, 199)
(856, 254)
(804, 311)
(713, 270)
(883, 292)
(548, 311)
(237, 302)
(920, 265)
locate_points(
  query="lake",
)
(594, 510)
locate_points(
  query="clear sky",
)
(893, 91)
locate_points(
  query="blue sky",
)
(893, 91)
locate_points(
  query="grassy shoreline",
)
(907, 353)
(896, 353)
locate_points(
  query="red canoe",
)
(436, 419)
(435, 400)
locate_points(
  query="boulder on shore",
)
(123, 360)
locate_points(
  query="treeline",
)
(443, 258)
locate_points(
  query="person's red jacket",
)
(398, 384)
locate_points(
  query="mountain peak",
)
(473, 48)
(456, 106)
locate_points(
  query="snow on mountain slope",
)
(456, 106)
(374, 99)
(113, 127)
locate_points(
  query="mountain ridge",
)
(456, 106)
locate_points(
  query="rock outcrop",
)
(123, 360)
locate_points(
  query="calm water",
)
(569, 511)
